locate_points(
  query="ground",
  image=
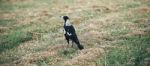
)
(113, 32)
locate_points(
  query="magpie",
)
(70, 33)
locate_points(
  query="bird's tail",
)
(75, 39)
(79, 45)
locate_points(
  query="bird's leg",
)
(72, 44)
(68, 42)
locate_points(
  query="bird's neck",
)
(67, 22)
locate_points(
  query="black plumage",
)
(70, 34)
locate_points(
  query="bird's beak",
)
(61, 16)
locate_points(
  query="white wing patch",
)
(69, 33)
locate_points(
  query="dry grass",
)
(85, 57)
(100, 25)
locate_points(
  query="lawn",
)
(113, 32)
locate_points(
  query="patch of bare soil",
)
(85, 57)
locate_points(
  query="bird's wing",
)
(70, 30)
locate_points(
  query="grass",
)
(130, 52)
(6, 22)
(9, 43)
(13, 39)
(69, 53)
(44, 61)
(7, 7)
(132, 5)
(35, 32)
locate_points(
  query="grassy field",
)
(113, 32)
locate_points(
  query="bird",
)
(70, 33)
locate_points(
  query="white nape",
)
(68, 23)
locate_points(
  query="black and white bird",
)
(70, 33)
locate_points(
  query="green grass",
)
(8, 44)
(133, 5)
(117, 29)
(13, 39)
(130, 52)
(136, 15)
(8, 7)
(7, 22)
(23, 5)
(119, 32)
(148, 4)
(44, 61)
(66, 1)
(69, 53)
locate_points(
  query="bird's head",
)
(65, 18)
